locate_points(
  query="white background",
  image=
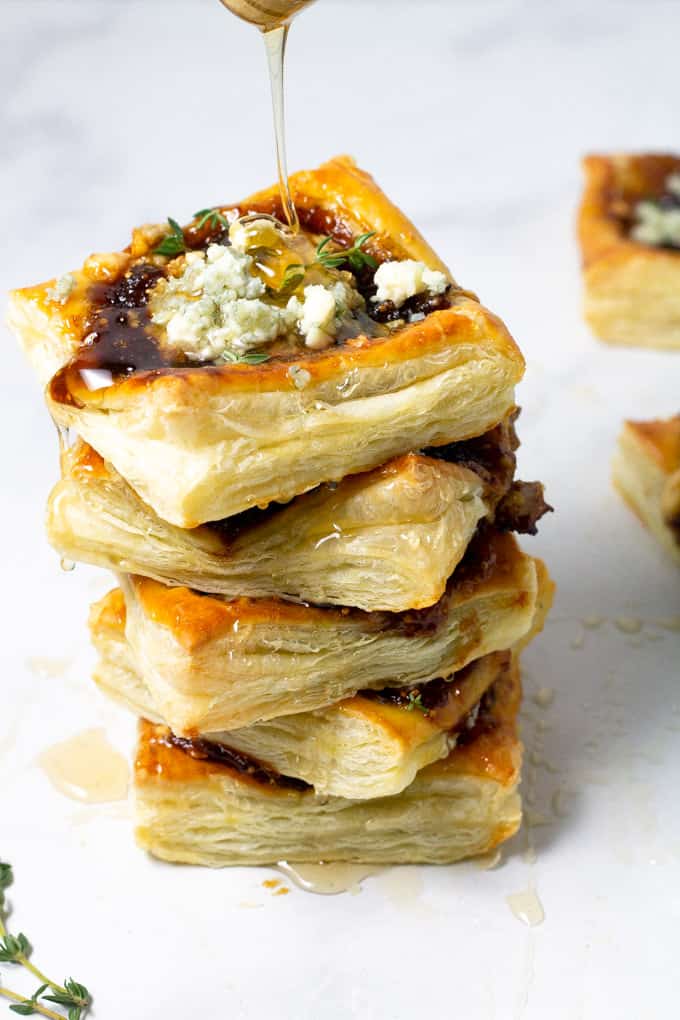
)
(473, 117)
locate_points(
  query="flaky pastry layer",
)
(359, 748)
(213, 664)
(388, 539)
(200, 812)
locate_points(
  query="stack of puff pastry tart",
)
(297, 452)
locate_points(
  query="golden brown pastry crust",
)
(204, 443)
(359, 748)
(646, 471)
(352, 204)
(632, 290)
(199, 812)
(345, 199)
(388, 539)
(545, 594)
(214, 665)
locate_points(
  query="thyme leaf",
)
(328, 258)
(292, 278)
(13, 947)
(247, 358)
(29, 1006)
(213, 217)
(173, 243)
(415, 700)
(334, 258)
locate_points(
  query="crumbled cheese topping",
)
(656, 225)
(322, 312)
(215, 305)
(63, 288)
(658, 222)
(317, 321)
(398, 281)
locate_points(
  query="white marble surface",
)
(473, 116)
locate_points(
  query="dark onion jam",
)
(431, 695)
(491, 456)
(212, 750)
(416, 306)
(435, 694)
(480, 719)
(117, 330)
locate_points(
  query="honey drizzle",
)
(275, 46)
(86, 767)
(328, 879)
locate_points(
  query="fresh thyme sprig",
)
(75, 997)
(16, 949)
(213, 217)
(173, 243)
(328, 258)
(333, 259)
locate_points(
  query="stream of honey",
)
(273, 19)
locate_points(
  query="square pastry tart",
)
(216, 664)
(369, 745)
(646, 472)
(629, 231)
(297, 452)
(156, 355)
(387, 539)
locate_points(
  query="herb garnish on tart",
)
(242, 288)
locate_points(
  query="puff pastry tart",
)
(370, 745)
(646, 472)
(387, 539)
(230, 364)
(220, 811)
(214, 664)
(629, 230)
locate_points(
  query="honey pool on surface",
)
(327, 879)
(87, 768)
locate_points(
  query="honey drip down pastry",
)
(296, 450)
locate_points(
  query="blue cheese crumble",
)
(399, 281)
(216, 304)
(657, 223)
(265, 286)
